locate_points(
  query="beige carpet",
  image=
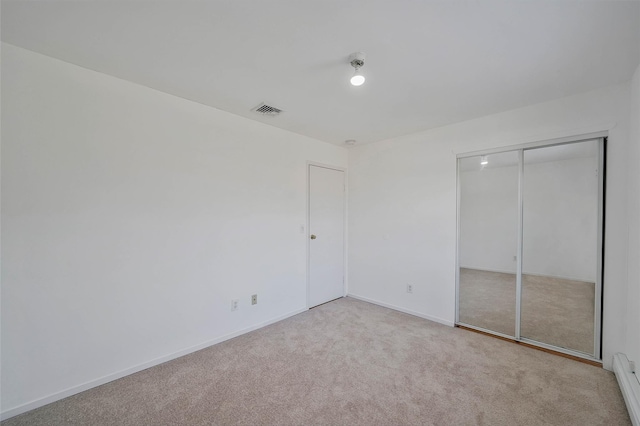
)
(554, 311)
(349, 362)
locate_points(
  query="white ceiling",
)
(429, 63)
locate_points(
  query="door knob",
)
(313, 237)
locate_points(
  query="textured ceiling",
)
(428, 63)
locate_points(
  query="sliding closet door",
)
(530, 244)
(488, 241)
(560, 286)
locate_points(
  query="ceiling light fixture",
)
(483, 160)
(357, 61)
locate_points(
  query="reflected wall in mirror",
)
(487, 242)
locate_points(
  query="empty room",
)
(320, 212)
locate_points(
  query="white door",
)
(326, 234)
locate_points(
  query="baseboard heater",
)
(629, 385)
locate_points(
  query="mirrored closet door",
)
(529, 244)
(488, 229)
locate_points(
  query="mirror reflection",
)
(488, 241)
(560, 225)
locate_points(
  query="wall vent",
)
(267, 110)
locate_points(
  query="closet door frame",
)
(601, 137)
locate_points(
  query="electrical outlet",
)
(409, 288)
(254, 299)
(234, 304)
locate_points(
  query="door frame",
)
(308, 225)
(599, 293)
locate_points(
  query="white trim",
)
(345, 277)
(560, 349)
(406, 311)
(540, 143)
(519, 247)
(157, 361)
(326, 166)
(344, 221)
(629, 386)
(458, 193)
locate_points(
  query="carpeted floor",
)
(555, 311)
(352, 363)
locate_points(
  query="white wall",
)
(560, 218)
(633, 195)
(131, 219)
(402, 203)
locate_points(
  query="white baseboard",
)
(111, 377)
(406, 311)
(629, 386)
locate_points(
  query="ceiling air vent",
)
(267, 110)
